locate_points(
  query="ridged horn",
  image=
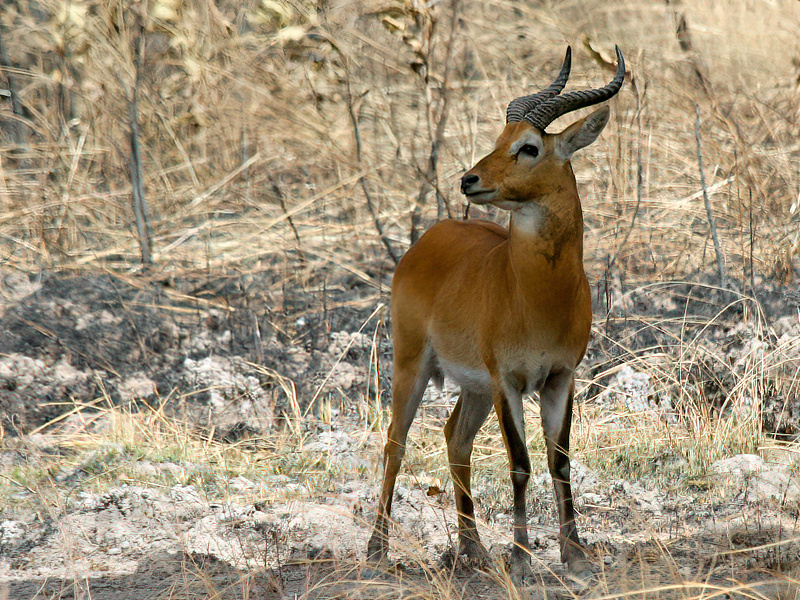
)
(549, 110)
(525, 104)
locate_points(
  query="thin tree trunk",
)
(140, 211)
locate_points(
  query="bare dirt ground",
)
(105, 519)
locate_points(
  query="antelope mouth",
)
(481, 196)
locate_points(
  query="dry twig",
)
(431, 175)
(707, 202)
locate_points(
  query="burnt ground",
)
(216, 352)
(133, 338)
(136, 339)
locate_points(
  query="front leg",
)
(410, 379)
(508, 405)
(556, 408)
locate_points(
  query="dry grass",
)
(247, 114)
(245, 122)
(108, 446)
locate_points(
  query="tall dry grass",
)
(246, 121)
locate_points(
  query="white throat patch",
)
(528, 218)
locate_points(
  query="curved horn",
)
(525, 104)
(549, 110)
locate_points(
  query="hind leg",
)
(411, 376)
(468, 415)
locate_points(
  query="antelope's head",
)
(527, 163)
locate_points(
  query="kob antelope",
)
(504, 313)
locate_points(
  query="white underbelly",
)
(469, 378)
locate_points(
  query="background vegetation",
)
(296, 148)
(250, 113)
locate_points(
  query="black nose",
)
(467, 181)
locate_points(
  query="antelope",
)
(504, 313)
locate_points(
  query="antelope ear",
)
(581, 133)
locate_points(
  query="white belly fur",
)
(466, 377)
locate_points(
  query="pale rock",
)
(748, 476)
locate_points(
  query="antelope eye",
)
(529, 149)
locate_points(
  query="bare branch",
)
(139, 201)
(431, 174)
(707, 201)
(362, 181)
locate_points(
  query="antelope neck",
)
(547, 234)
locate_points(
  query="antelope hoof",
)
(376, 550)
(579, 569)
(475, 554)
(471, 554)
(448, 559)
(521, 572)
